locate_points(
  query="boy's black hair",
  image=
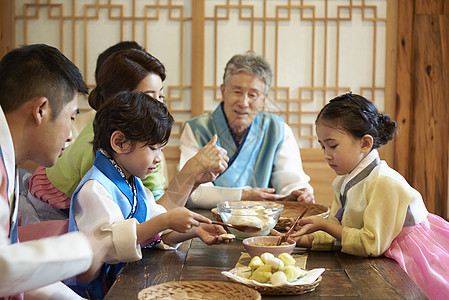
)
(358, 116)
(138, 116)
(38, 71)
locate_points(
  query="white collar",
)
(7, 147)
(361, 166)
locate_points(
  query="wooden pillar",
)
(197, 73)
(422, 106)
(404, 88)
(430, 127)
(7, 27)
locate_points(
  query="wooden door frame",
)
(7, 27)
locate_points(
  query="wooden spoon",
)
(284, 238)
(242, 228)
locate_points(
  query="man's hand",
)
(209, 162)
(261, 194)
(301, 195)
(99, 252)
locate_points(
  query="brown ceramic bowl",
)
(253, 246)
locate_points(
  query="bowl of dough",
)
(257, 245)
(261, 214)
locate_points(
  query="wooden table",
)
(345, 277)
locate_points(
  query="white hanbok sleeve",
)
(55, 291)
(157, 209)
(34, 264)
(288, 174)
(96, 213)
(207, 195)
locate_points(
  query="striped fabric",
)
(44, 190)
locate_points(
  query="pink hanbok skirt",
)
(422, 251)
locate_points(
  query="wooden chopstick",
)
(296, 222)
(285, 237)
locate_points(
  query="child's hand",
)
(302, 241)
(309, 225)
(315, 223)
(182, 220)
(210, 234)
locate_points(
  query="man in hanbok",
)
(265, 162)
(39, 88)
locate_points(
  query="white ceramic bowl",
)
(259, 245)
(263, 214)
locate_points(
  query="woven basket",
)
(285, 289)
(189, 290)
(291, 210)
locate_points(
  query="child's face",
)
(141, 161)
(341, 150)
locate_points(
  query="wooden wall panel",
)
(421, 148)
(403, 88)
(430, 128)
(7, 32)
(444, 27)
(197, 101)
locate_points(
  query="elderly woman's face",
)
(243, 98)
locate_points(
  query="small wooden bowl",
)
(254, 250)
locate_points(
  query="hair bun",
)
(96, 98)
(386, 128)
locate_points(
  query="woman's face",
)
(152, 86)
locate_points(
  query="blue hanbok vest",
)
(105, 173)
(251, 161)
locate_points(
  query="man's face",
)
(56, 133)
(243, 97)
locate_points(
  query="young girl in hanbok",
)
(130, 131)
(375, 211)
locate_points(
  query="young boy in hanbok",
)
(130, 131)
(375, 211)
